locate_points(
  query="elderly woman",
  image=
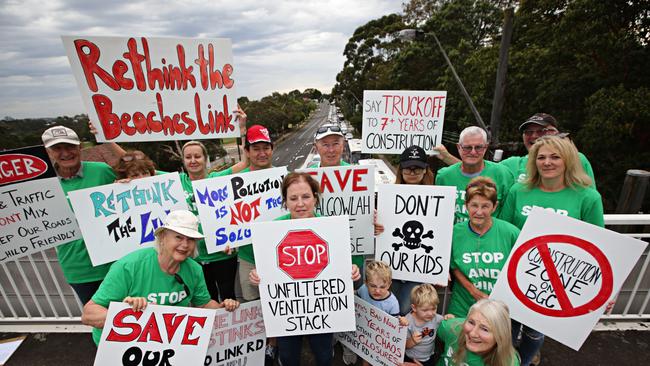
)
(483, 338)
(555, 181)
(300, 193)
(162, 275)
(493, 238)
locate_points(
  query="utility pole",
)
(502, 71)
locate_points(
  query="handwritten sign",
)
(152, 89)
(34, 213)
(396, 119)
(349, 190)
(227, 205)
(418, 223)
(561, 274)
(122, 217)
(238, 337)
(170, 335)
(378, 339)
(306, 286)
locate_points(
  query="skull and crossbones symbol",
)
(412, 233)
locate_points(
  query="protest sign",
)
(153, 89)
(418, 222)
(561, 274)
(227, 205)
(379, 339)
(238, 337)
(159, 335)
(122, 217)
(305, 275)
(35, 214)
(396, 119)
(349, 190)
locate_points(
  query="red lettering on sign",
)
(171, 324)
(120, 323)
(302, 254)
(19, 167)
(357, 178)
(150, 332)
(244, 212)
(189, 328)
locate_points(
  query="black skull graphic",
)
(412, 233)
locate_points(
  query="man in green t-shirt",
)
(63, 148)
(538, 125)
(472, 145)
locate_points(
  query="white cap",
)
(59, 135)
(183, 222)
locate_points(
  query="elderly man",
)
(472, 145)
(329, 142)
(63, 147)
(537, 125)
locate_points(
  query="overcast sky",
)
(277, 45)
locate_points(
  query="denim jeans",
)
(527, 341)
(402, 290)
(290, 349)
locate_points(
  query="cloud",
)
(277, 45)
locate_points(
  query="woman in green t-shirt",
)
(483, 338)
(480, 247)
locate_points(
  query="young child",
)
(376, 291)
(423, 321)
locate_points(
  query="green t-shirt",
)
(203, 256)
(580, 203)
(73, 256)
(453, 176)
(517, 166)
(480, 259)
(139, 274)
(448, 333)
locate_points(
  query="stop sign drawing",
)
(302, 254)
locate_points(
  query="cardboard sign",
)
(171, 335)
(122, 217)
(379, 339)
(306, 286)
(227, 205)
(349, 190)
(561, 274)
(418, 222)
(238, 337)
(396, 119)
(34, 213)
(153, 89)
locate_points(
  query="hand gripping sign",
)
(305, 266)
(561, 274)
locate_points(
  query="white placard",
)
(561, 274)
(396, 119)
(122, 217)
(153, 89)
(238, 337)
(176, 335)
(227, 205)
(305, 271)
(349, 190)
(379, 338)
(418, 224)
(34, 214)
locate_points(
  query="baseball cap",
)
(59, 134)
(542, 119)
(183, 222)
(257, 133)
(327, 130)
(413, 156)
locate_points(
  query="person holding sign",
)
(63, 148)
(556, 182)
(472, 145)
(481, 339)
(300, 195)
(162, 275)
(479, 248)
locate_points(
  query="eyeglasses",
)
(542, 132)
(413, 171)
(180, 281)
(324, 129)
(134, 155)
(477, 148)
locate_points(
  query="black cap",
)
(413, 156)
(542, 119)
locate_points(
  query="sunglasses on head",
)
(135, 155)
(324, 129)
